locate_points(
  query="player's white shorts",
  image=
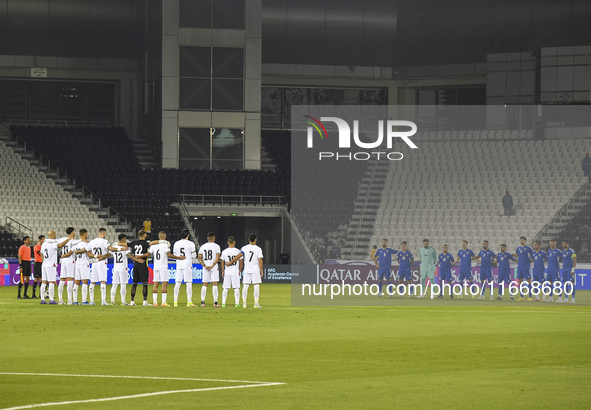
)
(184, 275)
(231, 282)
(49, 274)
(161, 275)
(99, 272)
(120, 277)
(212, 275)
(68, 269)
(82, 272)
(251, 278)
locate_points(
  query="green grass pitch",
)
(472, 355)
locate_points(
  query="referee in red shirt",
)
(37, 270)
(24, 260)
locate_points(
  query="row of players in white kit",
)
(79, 254)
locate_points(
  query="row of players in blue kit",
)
(524, 254)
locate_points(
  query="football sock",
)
(237, 296)
(257, 292)
(224, 296)
(164, 298)
(177, 289)
(244, 292)
(42, 291)
(203, 293)
(70, 289)
(133, 290)
(189, 292)
(380, 287)
(145, 292)
(52, 291)
(529, 287)
(113, 292)
(123, 293)
(26, 286)
(34, 287)
(84, 292)
(60, 290)
(75, 293)
(214, 292)
(91, 292)
(155, 297)
(103, 293)
(20, 286)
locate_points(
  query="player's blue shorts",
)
(539, 277)
(404, 275)
(566, 276)
(523, 273)
(553, 276)
(465, 275)
(504, 278)
(486, 275)
(446, 276)
(384, 273)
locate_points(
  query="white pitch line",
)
(131, 377)
(158, 393)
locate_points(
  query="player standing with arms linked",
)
(67, 267)
(139, 248)
(465, 256)
(24, 261)
(120, 253)
(569, 261)
(160, 251)
(428, 257)
(209, 256)
(184, 268)
(383, 260)
(554, 254)
(253, 269)
(486, 257)
(445, 262)
(49, 251)
(503, 259)
(524, 256)
(539, 256)
(231, 273)
(405, 260)
(82, 274)
(99, 252)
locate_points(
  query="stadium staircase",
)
(449, 192)
(144, 154)
(367, 203)
(557, 228)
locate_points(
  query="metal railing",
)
(205, 199)
(45, 162)
(13, 225)
(364, 207)
(562, 210)
(64, 123)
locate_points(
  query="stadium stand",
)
(38, 202)
(103, 159)
(451, 192)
